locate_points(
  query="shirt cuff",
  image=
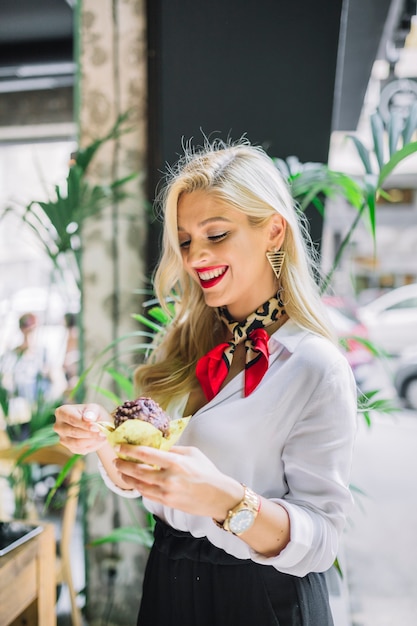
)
(302, 537)
(125, 493)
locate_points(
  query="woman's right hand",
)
(76, 428)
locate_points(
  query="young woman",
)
(251, 504)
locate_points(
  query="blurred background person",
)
(29, 381)
(72, 352)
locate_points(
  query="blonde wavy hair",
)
(244, 177)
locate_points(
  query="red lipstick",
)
(206, 277)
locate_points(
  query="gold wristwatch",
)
(242, 516)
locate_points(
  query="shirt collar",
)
(288, 335)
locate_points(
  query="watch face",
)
(241, 521)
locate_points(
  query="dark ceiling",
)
(32, 30)
(36, 45)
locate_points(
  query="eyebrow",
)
(208, 221)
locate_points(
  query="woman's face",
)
(225, 255)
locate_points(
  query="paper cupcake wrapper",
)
(140, 433)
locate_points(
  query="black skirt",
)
(190, 582)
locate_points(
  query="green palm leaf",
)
(364, 154)
(395, 160)
(377, 126)
(124, 383)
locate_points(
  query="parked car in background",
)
(391, 319)
(405, 377)
(350, 331)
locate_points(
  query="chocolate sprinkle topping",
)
(144, 409)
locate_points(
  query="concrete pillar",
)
(112, 80)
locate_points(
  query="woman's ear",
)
(277, 228)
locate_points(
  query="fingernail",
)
(90, 415)
(117, 449)
(95, 429)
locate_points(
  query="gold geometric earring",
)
(276, 259)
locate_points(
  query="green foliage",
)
(41, 418)
(37, 433)
(62, 217)
(369, 345)
(58, 222)
(369, 402)
(4, 400)
(61, 477)
(312, 183)
(108, 362)
(380, 162)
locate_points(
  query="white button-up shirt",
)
(291, 441)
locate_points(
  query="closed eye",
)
(218, 237)
(213, 238)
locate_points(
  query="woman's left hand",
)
(183, 478)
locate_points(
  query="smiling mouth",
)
(211, 275)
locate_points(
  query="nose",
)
(197, 253)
